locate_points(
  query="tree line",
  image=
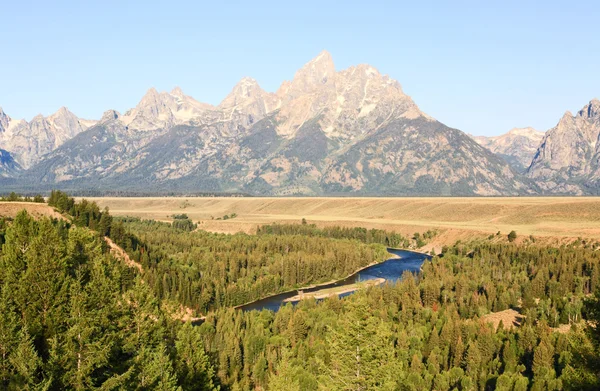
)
(14, 197)
(389, 239)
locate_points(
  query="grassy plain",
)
(553, 219)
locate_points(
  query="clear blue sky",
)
(478, 67)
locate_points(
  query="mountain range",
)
(517, 147)
(324, 132)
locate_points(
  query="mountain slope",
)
(8, 166)
(323, 132)
(568, 159)
(517, 147)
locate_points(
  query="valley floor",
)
(553, 220)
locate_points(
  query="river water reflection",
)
(391, 270)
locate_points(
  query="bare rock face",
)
(316, 74)
(162, 110)
(29, 141)
(567, 159)
(248, 100)
(4, 121)
(348, 103)
(517, 147)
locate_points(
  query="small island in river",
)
(337, 290)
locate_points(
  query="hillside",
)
(37, 210)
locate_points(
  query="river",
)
(391, 270)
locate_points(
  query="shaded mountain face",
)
(323, 132)
(8, 167)
(568, 158)
(517, 147)
(29, 141)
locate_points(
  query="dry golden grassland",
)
(552, 219)
(10, 209)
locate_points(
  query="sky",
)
(480, 67)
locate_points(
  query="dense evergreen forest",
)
(205, 271)
(74, 317)
(425, 333)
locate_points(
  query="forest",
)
(205, 271)
(75, 317)
(426, 332)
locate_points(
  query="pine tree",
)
(192, 365)
(473, 358)
(359, 357)
(26, 364)
(156, 371)
(8, 335)
(509, 356)
(283, 378)
(458, 352)
(86, 345)
(543, 364)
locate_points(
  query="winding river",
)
(390, 270)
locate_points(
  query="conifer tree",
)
(8, 335)
(192, 365)
(26, 364)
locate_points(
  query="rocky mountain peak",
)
(565, 120)
(63, 112)
(110, 115)
(150, 95)
(27, 142)
(246, 88)
(591, 110)
(323, 61)
(161, 110)
(316, 73)
(177, 92)
(248, 100)
(151, 112)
